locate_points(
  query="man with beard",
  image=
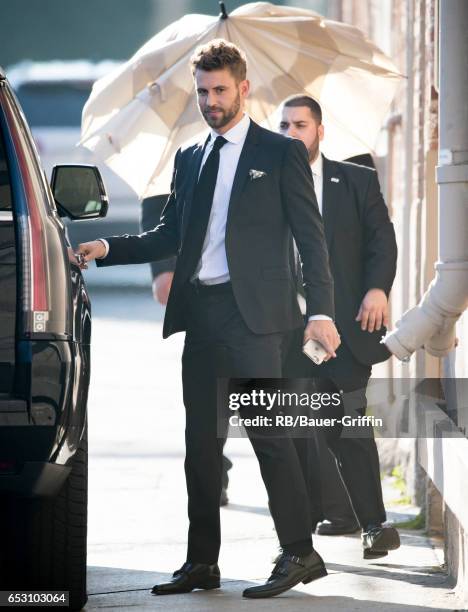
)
(235, 199)
(363, 252)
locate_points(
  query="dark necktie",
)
(200, 211)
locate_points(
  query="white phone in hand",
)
(314, 351)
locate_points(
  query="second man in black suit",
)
(363, 253)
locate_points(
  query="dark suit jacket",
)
(262, 213)
(362, 250)
(152, 207)
(151, 212)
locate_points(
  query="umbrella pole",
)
(223, 14)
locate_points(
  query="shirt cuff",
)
(320, 317)
(106, 246)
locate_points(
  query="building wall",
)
(411, 190)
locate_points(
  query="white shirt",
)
(317, 173)
(213, 267)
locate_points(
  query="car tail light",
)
(36, 229)
(44, 290)
(30, 222)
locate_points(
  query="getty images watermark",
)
(275, 401)
(393, 407)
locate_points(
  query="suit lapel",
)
(193, 169)
(332, 196)
(246, 162)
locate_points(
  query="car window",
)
(5, 187)
(47, 104)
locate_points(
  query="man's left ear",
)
(321, 131)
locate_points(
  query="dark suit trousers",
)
(219, 344)
(356, 457)
(335, 502)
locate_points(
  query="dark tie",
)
(200, 211)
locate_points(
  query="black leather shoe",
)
(337, 527)
(289, 571)
(378, 540)
(190, 576)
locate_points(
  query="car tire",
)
(47, 541)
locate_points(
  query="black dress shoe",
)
(190, 576)
(378, 540)
(337, 527)
(289, 571)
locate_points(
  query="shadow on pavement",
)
(244, 508)
(421, 576)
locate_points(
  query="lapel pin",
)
(334, 179)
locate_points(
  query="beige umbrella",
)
(140, 114)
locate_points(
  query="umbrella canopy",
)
(140, 114)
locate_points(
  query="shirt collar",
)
(317, 166)
(236, 134)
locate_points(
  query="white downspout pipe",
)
(431, 324)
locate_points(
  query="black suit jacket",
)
(362, 250)
(261, 215)
(151, 212)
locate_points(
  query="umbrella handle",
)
(223, 14)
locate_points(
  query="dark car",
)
(45, 331)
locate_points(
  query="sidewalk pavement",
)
(138, 525)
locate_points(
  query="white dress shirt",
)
(317, 173)
(213, 266)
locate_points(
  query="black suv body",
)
(45, 332)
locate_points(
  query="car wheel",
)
(46, 540)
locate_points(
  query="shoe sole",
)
(387, 540)
(369, 554)
(315, 575)
(206, 586)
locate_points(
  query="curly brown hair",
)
(219, 54)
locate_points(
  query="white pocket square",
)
(255, 174)
(334, 179)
